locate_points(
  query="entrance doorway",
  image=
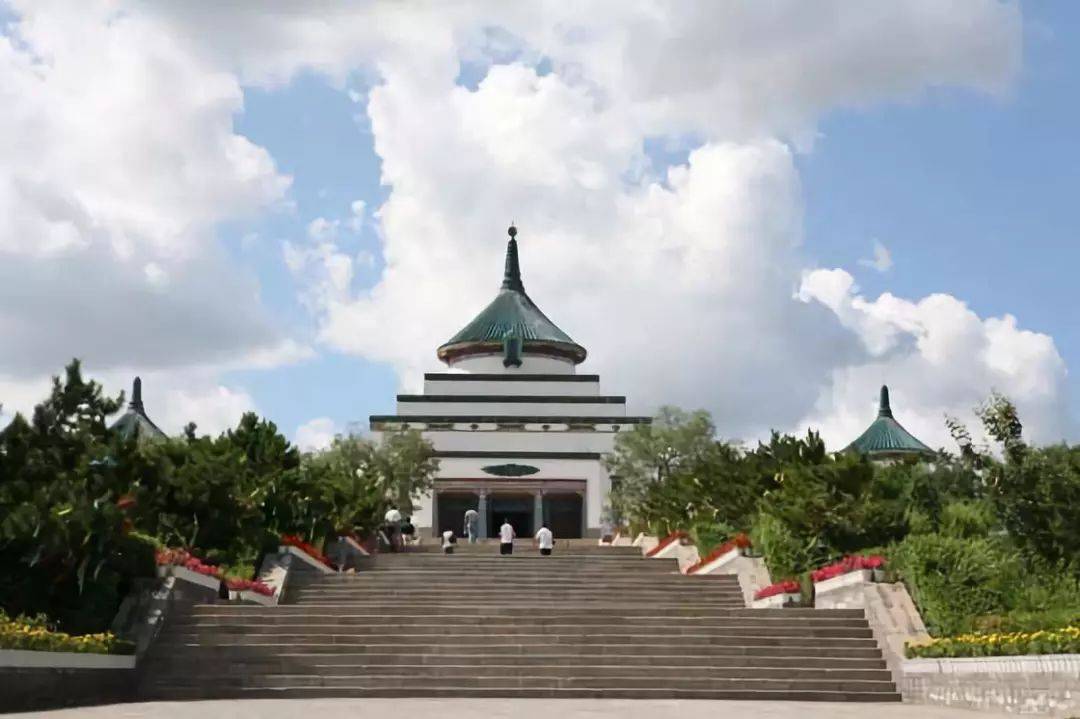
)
(452, 508)
(513, 508)
(563, 513)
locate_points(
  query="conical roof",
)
(885, 437)
(511, 324)
(134, 422)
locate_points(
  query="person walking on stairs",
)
(544, 540)
(472, 525)
(448, 541)
(506, 537)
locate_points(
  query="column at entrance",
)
(538, 511)
(584, 514)
(482, 509)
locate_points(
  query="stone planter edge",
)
(64, 660)
(776, 601)
(305, 557)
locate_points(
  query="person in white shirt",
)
(392, 527)
(472, 525)
(506, 538)
(545, 540)
(448, 541)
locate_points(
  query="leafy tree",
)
(674, 474)
(1036, 491)
(63, 544)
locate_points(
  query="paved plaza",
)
(505, 708)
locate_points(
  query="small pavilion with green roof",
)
(135, 422)
(886, 439)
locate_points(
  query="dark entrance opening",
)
(563, 513)
(452, 508)
(516, 509)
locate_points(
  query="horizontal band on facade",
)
(503, 419)
(520, 398)
(465, 454)
(460, 377)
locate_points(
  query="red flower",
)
(291, 540)
(853, 563)
(249, 585)
(789, 586)
(740, 541)
(667, 541)
(182, 558)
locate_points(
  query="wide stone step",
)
(234, 671)
(536, 597)
(852, 649)
(495, 582)
(459, 578)
(565, 545)
(277, 686)
(630, 611)
(413, 638)
(671, 606)
(497, 681)
(414, 630)
(207, 621)
(168, 692)
(613, 608)
(189, 661)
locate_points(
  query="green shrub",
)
(784, 554)
(953, 580)
(967, 519)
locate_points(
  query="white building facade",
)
(519, 433)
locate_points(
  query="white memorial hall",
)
(518, 432)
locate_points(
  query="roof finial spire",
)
(884, 410)
(512, 272)
(136, 395)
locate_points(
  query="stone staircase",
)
(588, 621)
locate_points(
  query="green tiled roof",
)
(886, 437)
(511, 324)
(134, 422)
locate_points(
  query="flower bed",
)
(183, 558)
(34, 634)
(739, 541)
(667, 542)
(1048, 641)
(790, 586)
(291, 540)
(846, 565)
(249, 585)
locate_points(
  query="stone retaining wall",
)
(1045, 685)
(47, 680)
(33, 688)
(892, 614)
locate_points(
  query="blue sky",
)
(155, 208)
(972, 195)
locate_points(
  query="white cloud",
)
(118, 158)
(939, 358)
(882, 259)
(315, 434)
(680, 280)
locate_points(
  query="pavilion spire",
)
(512, 272)
(884, 409)
(136, 396)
